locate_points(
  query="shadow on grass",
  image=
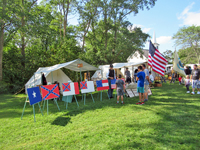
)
(62, 121)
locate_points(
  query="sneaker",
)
(122, 103)
(198, 92)
(192, 93)
(138, 103)
(188, 92)
(146, 100)
(142, 103)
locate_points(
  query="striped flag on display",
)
(156, 60)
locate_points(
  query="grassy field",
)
(169, 120)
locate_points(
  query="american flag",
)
(156, 60)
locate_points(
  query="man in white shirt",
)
(110, 75)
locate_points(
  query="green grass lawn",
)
(169, 120)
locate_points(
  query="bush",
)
(6, 88)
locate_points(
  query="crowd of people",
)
(142, 76)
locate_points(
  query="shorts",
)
(140, 89)
(146, 87)
(120, 92)
(195, 84)
(128, 79)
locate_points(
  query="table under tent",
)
(54, 73)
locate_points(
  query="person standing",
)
(110, 75)
(195, 79)
(128, 76)
(140, 85)
(146, 82)
(163, 78)
(173, 76)
(187, 71)
(187, 83)
(44, 80)
(135, 75)
(179, 79)
(120, 89)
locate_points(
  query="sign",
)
(130, 93)
(102, 85)
(135, 92)
(113, 84)
(50, 91)
(87, 87)
(34, 95)
(70, 89)
(79, 65)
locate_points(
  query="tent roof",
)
(121, 65)
(134, 63)
(72, 65)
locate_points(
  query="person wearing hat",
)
(110, 75)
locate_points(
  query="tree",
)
(187, 56)
(103, 29)
(169, 56)
(8, 22)
(189, 38)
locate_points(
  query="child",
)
(140, 85)
(151, 77)
(187, 83)
(179, 79)
(120, 89)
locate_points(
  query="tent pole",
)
(76, 76)
(80, 71)
(34, 79)
(132, 74)
(52, 77)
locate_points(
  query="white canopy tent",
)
(103, 69)
(54, 73)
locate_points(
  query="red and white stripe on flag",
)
(90, 87)
(70, 89)
(157, 62)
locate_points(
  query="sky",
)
(165, 19)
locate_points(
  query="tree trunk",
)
(60, 27)
(22, 37)
(106, 30)
(1, 50)
(2, 41)
(65, 12)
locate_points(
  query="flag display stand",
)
(55, 100)
(91, 97)
(68, 99)
(26, 101)
(101, 95)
